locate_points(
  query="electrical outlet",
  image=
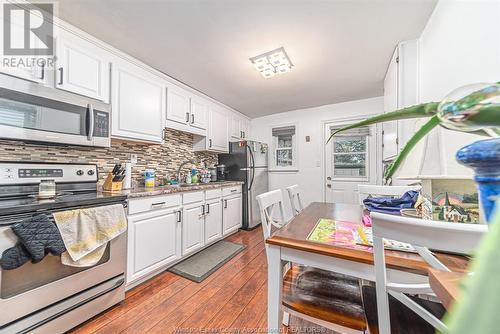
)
(133, 159)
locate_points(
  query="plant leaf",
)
(486, 116)
(421, 133)
(417, 111)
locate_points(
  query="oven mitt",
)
(40, 236)
(14, 257)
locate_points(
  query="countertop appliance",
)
(221, 172)
(49, 297)
(247, 162)
(36, 113)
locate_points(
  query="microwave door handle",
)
(90, 130)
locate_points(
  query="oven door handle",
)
(90, 117)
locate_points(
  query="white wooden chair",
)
(422, 235)
(302, 284)
(366, 190)
(295, 201)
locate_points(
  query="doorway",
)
(350, 159)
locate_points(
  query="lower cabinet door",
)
(213, 220)
(153, 242)
(193, 228)
(231, 214)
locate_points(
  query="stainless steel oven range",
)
(49, 297)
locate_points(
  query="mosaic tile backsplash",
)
(163, 158)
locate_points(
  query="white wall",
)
(309, 122)
(459, 45)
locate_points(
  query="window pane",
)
(349, 144)
(284, 141)
(349, 165)
(284, 157)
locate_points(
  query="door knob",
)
(329, 185)
(329, 178)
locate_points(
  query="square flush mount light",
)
(273, 62)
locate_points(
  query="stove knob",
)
(90, 172)
(79, 172)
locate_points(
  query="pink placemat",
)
(336, 233)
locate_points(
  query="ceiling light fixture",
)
(273, 62)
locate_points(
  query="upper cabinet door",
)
(138, 101)
(199, 113)
(235, 126)
(245, 128)
(81, 68)
(390, 129)
(218, 130)
(178, 105)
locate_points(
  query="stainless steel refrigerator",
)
(247, 162)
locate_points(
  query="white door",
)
(153, 242)
(81, 69)
(218, 130)
(390, 129)
(178, 105)
(199, 113)
(231, 219)
(193, 228)
(138, 104)
(213, 220)
(350, 159)
(236, 127)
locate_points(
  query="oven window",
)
(31, 276)
(31, 116)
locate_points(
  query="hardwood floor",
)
(233, 299)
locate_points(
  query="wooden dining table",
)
(291, 244)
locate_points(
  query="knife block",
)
(109, 185)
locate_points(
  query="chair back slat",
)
(366, 190)
(295, 200)
(421, 234)
(268, 204)
(447, 237)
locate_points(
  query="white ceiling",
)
(340, 48)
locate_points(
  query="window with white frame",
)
(350, 153)
(284, 147)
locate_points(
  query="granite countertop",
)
(163, 190)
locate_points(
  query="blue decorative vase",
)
(484, 158)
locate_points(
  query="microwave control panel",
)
(101, 124)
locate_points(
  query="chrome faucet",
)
(180, 167)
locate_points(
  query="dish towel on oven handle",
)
(86, 232)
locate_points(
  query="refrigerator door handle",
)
(252, 166)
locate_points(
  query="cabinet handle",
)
(202, 209)
(158, 204)
(244, 134)
(225, 204)
(210, 143)
(234, 190)
(187, 117)
(241, 134)
(208, 208)
(179, 216)
(192, 118)
(61, 75)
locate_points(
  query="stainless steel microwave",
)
(36, 113)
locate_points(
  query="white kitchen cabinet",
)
(400, 91)
(239, 127)
(199, 113)
(193, 229)
(231, 214)
(178, 106)
(186, 112)
(154, 241)
(138, 104)
(217, 139)
(81, 67)
(213, 220)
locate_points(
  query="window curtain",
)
(284, 131)
(357, 132)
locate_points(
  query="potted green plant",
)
(472, 108)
